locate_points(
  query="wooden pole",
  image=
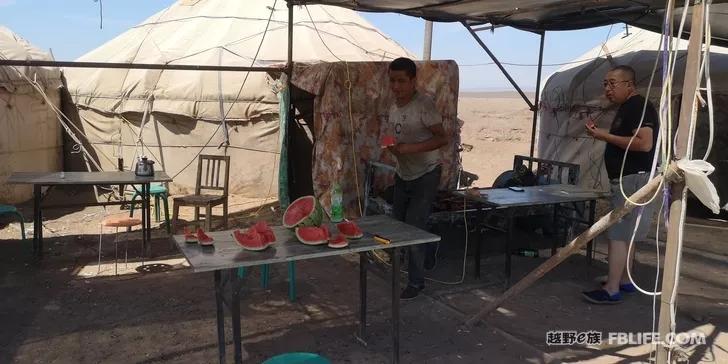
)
(671, 274)
(642, 195)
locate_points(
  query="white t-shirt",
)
(411, 124)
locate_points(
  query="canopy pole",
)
(688, 113)
(495, 60)
(427, 49)
(538, 94)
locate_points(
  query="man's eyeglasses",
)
(611, 84)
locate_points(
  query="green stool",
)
(297, 358)
(264, 279)
(159, 192)
(11, 210)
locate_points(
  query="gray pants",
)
(412, 204)
(624, 228)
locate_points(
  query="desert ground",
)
(67, 309)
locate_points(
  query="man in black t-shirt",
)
(628, 159)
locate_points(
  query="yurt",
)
(172, 116)
(30, 134)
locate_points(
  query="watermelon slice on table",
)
(190, 237)
(388, 141)
(304, 211)
(339, 241)
(202, 238)
(262, 228)
(250, 240)
(312, 235)
(349, 229)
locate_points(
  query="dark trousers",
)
(412, 204)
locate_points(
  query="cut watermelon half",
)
(339, 241)
(250, 240)
(190, 237)
(349, 229)
(304, 211)
(311, 235)
(202, 238)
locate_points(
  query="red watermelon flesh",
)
(203, 238)
(311, 235)
(338, 241)
(190, 237)
(304, 211)
(350, 230)
(388, 141)
(262, 228)
(250, 240)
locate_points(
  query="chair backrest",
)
(548, 171)
(209, 168)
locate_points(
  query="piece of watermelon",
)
(312, 235)
(202, 238)
(304, 211)
(349, 229)
(262, 228)
(190, 237)
(250, 240)
(388, 141)
(339, 241)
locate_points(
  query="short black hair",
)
(404, 64)
(627, 70)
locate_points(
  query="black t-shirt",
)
(625, 122)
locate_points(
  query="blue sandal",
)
(602, 297)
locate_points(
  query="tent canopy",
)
(538, 15)
(14, 47)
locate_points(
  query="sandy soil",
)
(498, 126)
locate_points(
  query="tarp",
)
(353, 99)
(30, 138)
(574, 94)
(185, 107)
(538, 15)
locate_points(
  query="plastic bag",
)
(696, 180)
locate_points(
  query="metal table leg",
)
(219, 291)
(235, 313)
(590, 244)
(555, 223)
(147, 188)
(37, 223)
(361, 335)
(509, 240)
(478, 237)
(395, 306)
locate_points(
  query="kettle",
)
(144, 167)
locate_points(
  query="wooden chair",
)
(212, 166)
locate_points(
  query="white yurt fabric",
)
(30, 135)
(574, 94)
(186, 107)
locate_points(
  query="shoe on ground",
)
(409, 293)
(602, 297)
(624, 287)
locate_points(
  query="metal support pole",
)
(538, 92)
(147, 66)
(289, 63)
(427, 49)
(500, 66)
(688, 113)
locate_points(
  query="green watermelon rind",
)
(313, 219)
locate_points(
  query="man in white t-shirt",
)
(419, 133)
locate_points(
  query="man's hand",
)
(596, 133)
(398, 149)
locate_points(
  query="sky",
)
(71, 28)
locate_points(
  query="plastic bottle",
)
(527, 252)
(337, 206)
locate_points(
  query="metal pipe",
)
(538, 92)
(427, 51)
(289, 63)
(149, 66)
(495, 60)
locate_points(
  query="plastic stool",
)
(297, 358)
(264, 279)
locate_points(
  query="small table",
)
(509, 200)
(226, 256)
(40, 179)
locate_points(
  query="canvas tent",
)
(181, 111)
(574, 94)
(30, 135)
